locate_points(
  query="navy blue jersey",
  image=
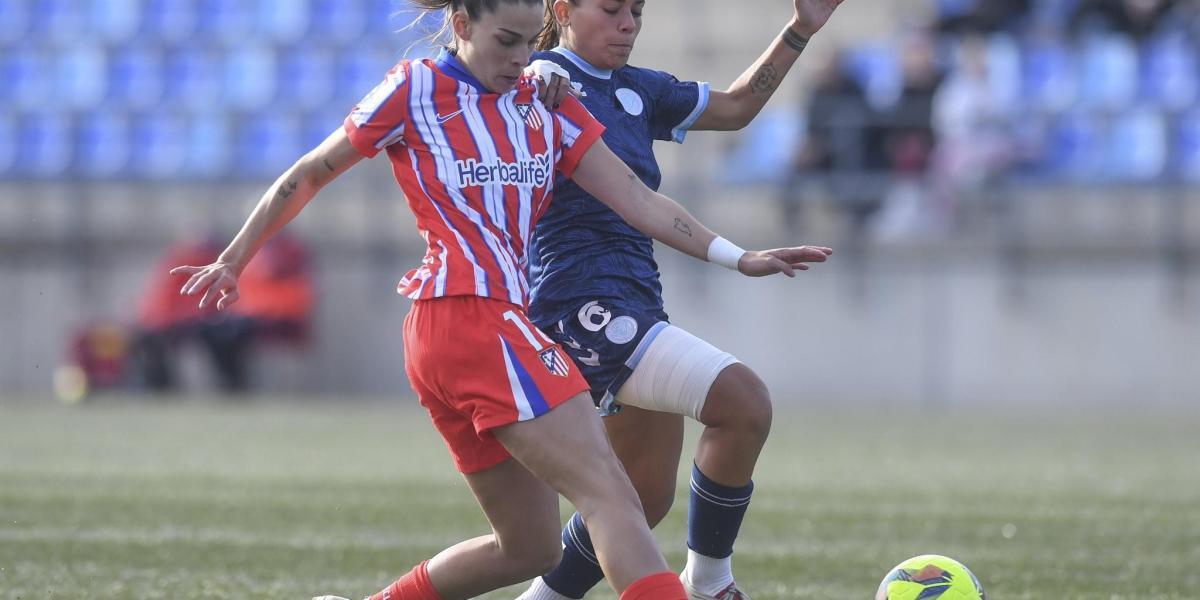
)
(581, 250)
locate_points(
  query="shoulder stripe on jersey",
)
(571, 129)
(681, 129)
(378, 97)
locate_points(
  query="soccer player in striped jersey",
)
(475, 153)
(596, 292)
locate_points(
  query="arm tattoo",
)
(683, 227)
(327, 165)
(764, 80)
(287, 189)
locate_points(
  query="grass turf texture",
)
(199, 499)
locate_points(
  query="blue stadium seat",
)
(1048, 71)
(1108, 72)
(1186, 159)
(136, 77)
(225, 21)
(267, 144)
(877, 69)
(316, 126)
(58, 21)
(46, 145)
(282, 21)
(80, 77)
(159, 145)
(340, 21)
(359, 72)
(14, 20)
(194, 78)
(114, 20)
(102, 145)
(248, 79)
(170, 21)
(1074, 146)
(305, 77)
(1170, 72)
(1138, 145)
(209, 146)
(765, 149)
(28, 76)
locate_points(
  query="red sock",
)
(659, 586)
(414, 586)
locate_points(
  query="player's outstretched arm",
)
(736, 107)
(603, 175)
(278, 206)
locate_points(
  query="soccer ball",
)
(930, 577)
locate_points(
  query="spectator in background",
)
(907, 138)
(277, 302)
(973, 127)
(1138, 19)
(841, 145)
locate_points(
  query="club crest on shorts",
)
(531, 116)
(554, 361)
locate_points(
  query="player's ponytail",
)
(551, 34)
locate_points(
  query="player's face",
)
(603, 31)
(497, 47)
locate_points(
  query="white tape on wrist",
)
(725, 253)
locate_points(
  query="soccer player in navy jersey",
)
(475, 153)
(596, 292)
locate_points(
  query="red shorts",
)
(477, 364)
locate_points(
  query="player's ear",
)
(460, 23)
(562, 12)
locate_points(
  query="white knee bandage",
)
(672, 372)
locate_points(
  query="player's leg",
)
(681, 373)
(523, 513)
(649, 444)
(569, 449)
(737, 418)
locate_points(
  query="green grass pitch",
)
(275, 499)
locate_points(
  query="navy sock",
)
(579, 571)
(716, 515)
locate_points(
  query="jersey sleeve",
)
(676, 105)
(579, 131)
(378, 120)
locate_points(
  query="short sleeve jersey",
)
(477, 168)
(582, 250)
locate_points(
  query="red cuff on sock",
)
(416, 585)
(660, 586)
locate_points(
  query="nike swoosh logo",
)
(442, 119)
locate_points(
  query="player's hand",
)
(760, 263)
(554, 83)
(811, 15)
(217, 281)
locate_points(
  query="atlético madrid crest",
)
(554, 361)
(532, 118)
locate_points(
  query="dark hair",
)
(550, 35)
(474, 8)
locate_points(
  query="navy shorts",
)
(606, 339)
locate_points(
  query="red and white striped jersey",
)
(477, 169)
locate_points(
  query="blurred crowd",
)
(904, 132)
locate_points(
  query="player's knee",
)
(739, 400)
(657, 501)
